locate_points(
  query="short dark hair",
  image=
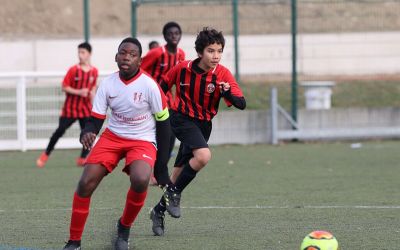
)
(207, 37)
(152, 43)
(134, 41)
(86, 46)
(170, 25)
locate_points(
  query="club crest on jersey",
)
(210, 88)
(91, 79)
(137, 97)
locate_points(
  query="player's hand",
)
(84, 92)
(224, 87)
(87, 140)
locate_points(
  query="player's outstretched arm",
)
(237, 101)
(163, 133)
(88, 134)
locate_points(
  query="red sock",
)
(134, 202)
(80, 212)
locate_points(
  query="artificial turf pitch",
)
(248, 197)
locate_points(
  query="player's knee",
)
(203, 156)
(86, 186)
(139, 183)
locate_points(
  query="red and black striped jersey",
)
(157, 62)
(198, 94)
(77, 106)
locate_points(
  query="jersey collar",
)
(139, 73)
(164, 49)
(190, 66)
(78, 66)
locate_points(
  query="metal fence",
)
(265, 27)
(30, 104)
(292, 40)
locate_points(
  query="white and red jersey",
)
(133, 104)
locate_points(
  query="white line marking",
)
(219, 207)
(354, 207)
(299, 207)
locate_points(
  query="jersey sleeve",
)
(158, 103)
(171, 77)
(95, 76)
(69, 77)
(235, 89)
(100, 104)
(149, 60)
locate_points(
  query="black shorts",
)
(192, 133)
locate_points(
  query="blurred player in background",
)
(153, 45)
(200, 85)
(139, 121)
(159, 61)
(79, 86)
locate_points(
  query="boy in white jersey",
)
(139, 121)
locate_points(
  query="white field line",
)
(220, 207)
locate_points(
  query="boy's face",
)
(128, 59)
(211, 55)
(83, 55)
(173, 36)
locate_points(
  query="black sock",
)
(160, 207)
(186, 176)
(170, 186)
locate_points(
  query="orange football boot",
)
(41, 161)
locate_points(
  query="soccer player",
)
(153, 45)
(159, 61)
(138, 122)
(79, 86)
(200, 85)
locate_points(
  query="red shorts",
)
(110, 149)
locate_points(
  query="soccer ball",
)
(319, 240)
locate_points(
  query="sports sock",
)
(80, 212)
(134, 202)
(160, 207)
(186, 176)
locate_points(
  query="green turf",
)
(283, 181)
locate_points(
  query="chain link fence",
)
(351, 42)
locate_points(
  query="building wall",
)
(319, 54)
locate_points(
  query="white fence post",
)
(21, 112)
(274, 115)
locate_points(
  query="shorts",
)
(192, 133)
(110, 149)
